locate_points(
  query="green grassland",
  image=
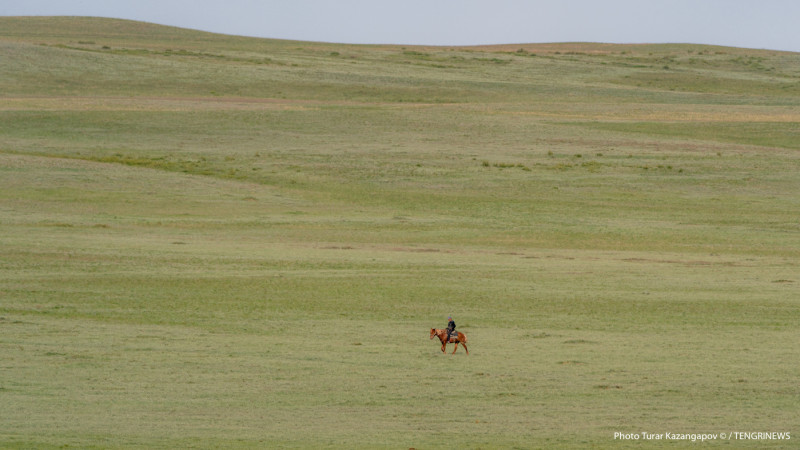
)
(219, 241)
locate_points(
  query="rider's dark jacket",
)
(451, 327)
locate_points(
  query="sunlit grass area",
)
(216, 241)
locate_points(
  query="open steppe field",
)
(218, 242)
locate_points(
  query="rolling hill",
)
(224, 241)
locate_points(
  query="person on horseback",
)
(451, 327)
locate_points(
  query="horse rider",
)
(451, 327)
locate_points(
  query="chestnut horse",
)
(457, 338)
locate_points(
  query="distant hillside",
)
(73, 30)
(96, 56)
(70, 29)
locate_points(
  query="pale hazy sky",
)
(771, 24)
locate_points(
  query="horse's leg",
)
(454, 350)
(465, 348)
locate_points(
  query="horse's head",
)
(433, 332)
